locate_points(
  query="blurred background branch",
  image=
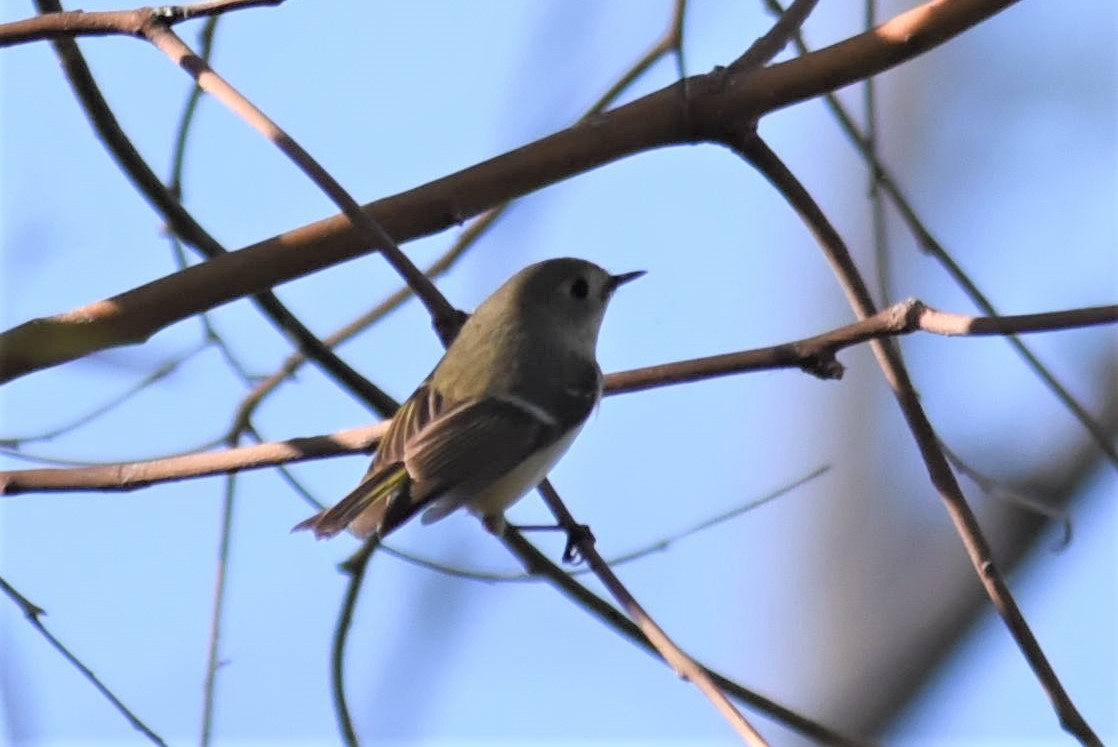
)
(851, 599)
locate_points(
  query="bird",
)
(502, 406)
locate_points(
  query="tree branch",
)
(816, 355)
(182, 224)
(33, 613)
(70, 24)
(884, 182)
(676, 658)
(698, 109)
(135, 475)
(757, 153)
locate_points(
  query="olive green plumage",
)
(497, 412)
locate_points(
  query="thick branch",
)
(167, 203)
(711, 104)
(69, 24)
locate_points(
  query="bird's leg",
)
(576, 535)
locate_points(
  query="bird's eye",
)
(580, 288)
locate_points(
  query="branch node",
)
(823, 365)
(906, 315)
(167, 15)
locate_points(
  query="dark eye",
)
(580, 288)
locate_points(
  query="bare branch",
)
(883, 179)
(213, 652)
(650, 122)
(446, 318)
(33, 613)
(183, 225)
(135, 475)
(70, 24)
(684, 665)
(816, 355)
(355, 567)
(786, 28)
(753, 149)
(536, 563)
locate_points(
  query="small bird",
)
(502, 406)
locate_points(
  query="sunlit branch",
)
(60, 24)
(671, 42)
(135, 475)
(74, 342)
(883, 179)
(757, 152)
(815, 355)
(652, 121)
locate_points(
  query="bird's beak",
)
(616, 281)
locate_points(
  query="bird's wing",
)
(473, 445)
(424, 406)
(378, 490)
(374, 500)
(432, 447)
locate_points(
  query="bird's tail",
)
(372, 500)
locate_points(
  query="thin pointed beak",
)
(616, 281)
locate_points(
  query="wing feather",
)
(435, 449)
(475, 444)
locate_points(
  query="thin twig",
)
(671, 41)
(999, 492)
(659, 545)
(754, 150)
(931, 246)
(160, 372)
(445, 317)
(213, 654)
(787, 26)
(537, 563)
(33, 613)
(878, 223)
(816, 355)
(180, 222)
(355, 567)
(684, 665)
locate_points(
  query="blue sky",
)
(1005, 139)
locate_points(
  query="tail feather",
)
(371, 500)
